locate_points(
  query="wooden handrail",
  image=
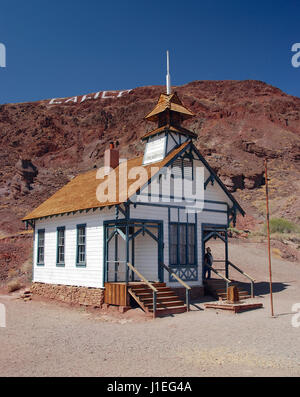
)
(252, 280)
(241, 271)
(219, 274)
(175, 276)
(141, 277)
(187, 287)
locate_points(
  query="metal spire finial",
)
(168, 77)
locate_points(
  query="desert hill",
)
(44, 144)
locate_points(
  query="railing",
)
(116, 270)
(252, 280)
(220, 275)
(187, 287)
(154, 290)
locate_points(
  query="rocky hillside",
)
(238, 123)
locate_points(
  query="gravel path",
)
(46, 339)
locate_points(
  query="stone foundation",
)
(70, 294)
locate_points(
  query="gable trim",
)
(216, 178)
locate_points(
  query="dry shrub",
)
(276, 252)
(14, 285)
(281, 225)
(12, 273)
(26, 269)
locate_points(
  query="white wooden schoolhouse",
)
(140, 241)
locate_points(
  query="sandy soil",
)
(46, 339)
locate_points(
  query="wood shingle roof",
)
(80, 192)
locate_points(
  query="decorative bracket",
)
(211, 179)
(232, 215)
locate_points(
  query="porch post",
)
(127, 252)
(127, 216)
(105, 256)
(116, 257)
(160, 256)
(226, 255)
(132, 258)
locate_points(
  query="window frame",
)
(78, 227)
(38, 263)
(181, 226)
(59, 229)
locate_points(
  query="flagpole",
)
(268, 231)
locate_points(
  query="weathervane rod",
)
(168, 77)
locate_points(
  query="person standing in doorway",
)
(208, 261)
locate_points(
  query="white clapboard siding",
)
(146, 257)
(212, 192)
(152, 213)
(70, 274)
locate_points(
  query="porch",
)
(222, 269)
(134, 268)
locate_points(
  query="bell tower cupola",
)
(168, 114)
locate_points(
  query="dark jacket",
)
(208, 259)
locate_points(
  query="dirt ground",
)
(47, 339)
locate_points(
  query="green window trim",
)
(81, 245)
(60, 246)
(40, 257)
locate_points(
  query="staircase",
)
(167, 302)
(217, 288)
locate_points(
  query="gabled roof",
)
(171, 102)
(223, 187)
(80, 192)
(172, 128)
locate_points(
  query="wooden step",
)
(217, 288)
(143, 286)
(158, 299)
(240, 293)
(149, 290)
(171, 310)
(165, 304)
(220, 290)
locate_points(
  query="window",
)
(173, 243)
(60, 260)
(41, 247)
(182, 244)
(191, 244)
(81, 245)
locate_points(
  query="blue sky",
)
(71, 47)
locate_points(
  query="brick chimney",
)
(111, 156)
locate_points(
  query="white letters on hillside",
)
(99, 94)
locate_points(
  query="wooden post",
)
(226, 255)
(187, 299)
(127, 254)
(154, 304)
(116, 257)
(269, 244)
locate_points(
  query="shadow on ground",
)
(263, 287)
